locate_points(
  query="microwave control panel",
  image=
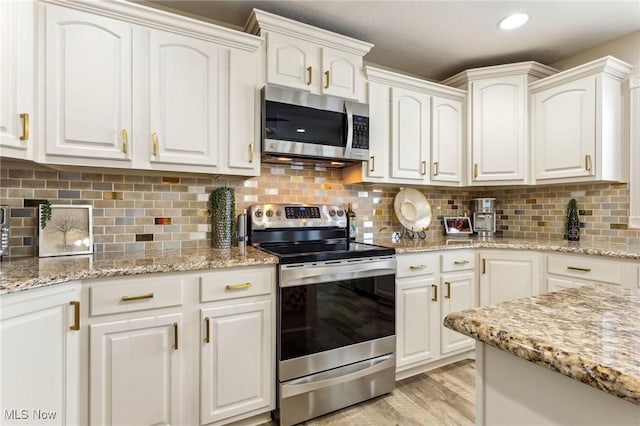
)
(360, 132)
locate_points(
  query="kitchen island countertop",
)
(590, 334)
(33, 272)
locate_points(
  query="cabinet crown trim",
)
(634, 82)
(260, 20)
(531, 68)
(379, 75)
(610, 66)
(159, 19)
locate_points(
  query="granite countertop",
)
(590, 333)
(32, 272)
(620, 251)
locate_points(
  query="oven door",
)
(334, 313)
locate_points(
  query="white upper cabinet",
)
(175, 94)
(416, 134)
(497, 121)
(17, 78)
(88, 85)
(186, 78)
(308, 58)
(576, 124)
(410, 121)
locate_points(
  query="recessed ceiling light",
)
(513, 21)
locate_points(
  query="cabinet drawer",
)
(457, 260)
(116, 296)
(586, 268)
(409, 265)
(234, 283)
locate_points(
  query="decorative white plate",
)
(412, 209)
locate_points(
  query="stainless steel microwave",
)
(301, 125)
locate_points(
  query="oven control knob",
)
(332, 212)
(269, 213)
(258, 213)
(278, 213)
(340, 213)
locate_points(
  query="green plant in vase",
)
(222, 207)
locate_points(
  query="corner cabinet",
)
(498, 148)
(17, 79)
(416, 134)
(40, 352)
(181, 96)
(307, 58)
(576, 124)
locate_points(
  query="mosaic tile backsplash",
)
(135, 212)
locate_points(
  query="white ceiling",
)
(436, 39)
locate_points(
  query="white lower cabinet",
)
(236, 362)
(136, 371)
(40, 353)
(557, 284)
(426, 294)
(507, 275)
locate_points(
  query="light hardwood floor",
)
(444, 396)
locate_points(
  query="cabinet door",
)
(237, 361)
(244, 114)
(409, 134)
(88, 85)
(498, 135)
(507, 276)
(564, 130)
(458, 294)
(341, 73)
(16, 78)
(135, 376)
(379, 130)
(40, 354)
(446, 141)
(293, 63)
(188, 88)
(417, 320)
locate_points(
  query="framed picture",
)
(68, 230)
(457, 226)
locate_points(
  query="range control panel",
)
(266, 216)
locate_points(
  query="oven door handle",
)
(308, 384)
(328, 276)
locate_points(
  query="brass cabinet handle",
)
(175, 336)
(139, 297)
(207, 332)
(435, 293)
(25, 127)
(125, 140)
(251, 153)
(448, 295)
(76, 315)
(484, 266)
(436, 168)
(154, 138)
(460, 262)
(587, 162)
(309, 73)
(238, 286)
(372, 163)
(424, 168)
(326, 74)
(415, 267)
(475, 170)
(575, 268)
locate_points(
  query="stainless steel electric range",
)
(335, 310)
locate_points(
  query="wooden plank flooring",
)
(441, 397)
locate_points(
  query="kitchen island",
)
(536, 356)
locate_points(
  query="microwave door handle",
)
(347, 108)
